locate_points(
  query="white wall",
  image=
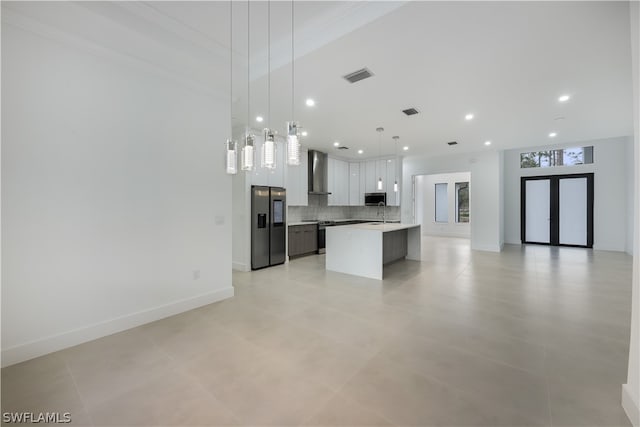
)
(502, 201)
(486, 203)
(631, 390)
(485, 188)
(611, 180)
(425, 205)
(241, 211)
(113, 195)
(630, 157)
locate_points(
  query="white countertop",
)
(338, 221)
(378, 226)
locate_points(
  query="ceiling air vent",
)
(410, 111)
(452, 143)
(356, 76)
(342, 147)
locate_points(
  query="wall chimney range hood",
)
(318, 176)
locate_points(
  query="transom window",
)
(557, 157)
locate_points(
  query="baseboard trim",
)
(30, 350)
(487, 248)
(446, 234)
(240, 266)
(630, 405)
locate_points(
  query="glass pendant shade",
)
(397, 168)
(248, 153)
(231, 148)
(293, 144)
(269, 150)
(379, 130)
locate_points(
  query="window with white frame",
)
(442, 203)
(462, 202)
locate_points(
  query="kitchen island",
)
(364, 249)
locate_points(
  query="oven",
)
(322, 235)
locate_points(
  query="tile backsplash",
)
(316, 211)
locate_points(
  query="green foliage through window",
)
(557, 157)
(462, 202)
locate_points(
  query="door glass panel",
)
(573, 211)
(538, 211)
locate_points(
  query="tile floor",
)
(533, 336)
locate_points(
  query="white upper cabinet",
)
(381, 172)
(331, 174)
(269, 177)
(276, 176)
(343, 175)
(347, 181)
(392, 199)
(338, 182)
(370, 171)
(370, 176)
(297, 182)
(356, 196)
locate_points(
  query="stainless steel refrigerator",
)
(268, 226)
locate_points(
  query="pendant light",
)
(380, 130)
(232, 157)
(269, 146)
(248, 151)
(269, 149)
(293, 144)
(231, 147)
(395, 149)
(293, 138)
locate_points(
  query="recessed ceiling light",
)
(487, 143)
(304, 133)
(259, 119)
(405, 148)
(564, 98)
(553, 135)
(360, 151)
(335, 144)
(310, 102)
(468, 117)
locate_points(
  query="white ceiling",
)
(506, 62)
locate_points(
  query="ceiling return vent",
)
(356, 76)
(410, 111)
(342, 147)
(452, 143)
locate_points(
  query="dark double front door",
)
(557, 210)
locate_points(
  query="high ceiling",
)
(505, 62)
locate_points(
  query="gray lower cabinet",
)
(394, 245)
(303, 239)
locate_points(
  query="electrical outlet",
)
(196, 274)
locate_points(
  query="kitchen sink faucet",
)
(384, 208)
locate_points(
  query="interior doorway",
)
(442, 204)
(557, 210)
